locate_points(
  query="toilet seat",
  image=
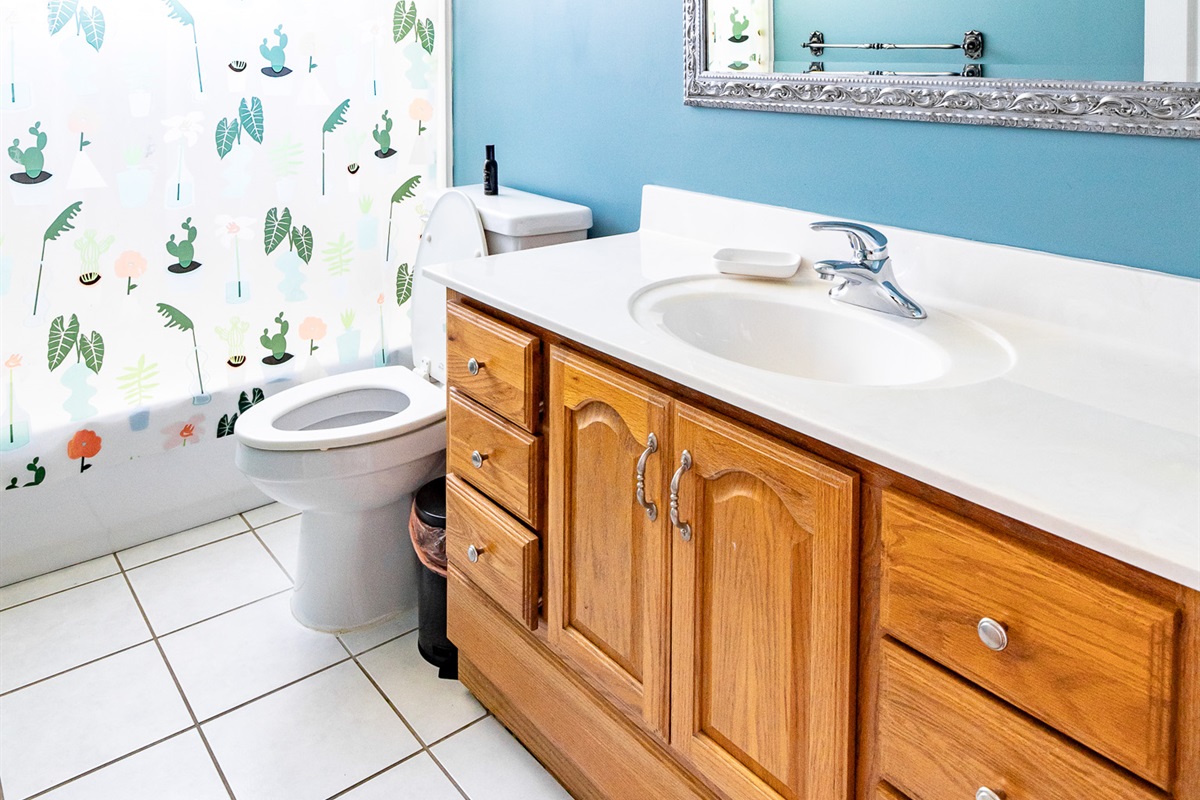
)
(421, 404)
(453, 233)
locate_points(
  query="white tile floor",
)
(175, 671)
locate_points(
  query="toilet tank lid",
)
(516, 213)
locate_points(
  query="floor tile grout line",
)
(375, 775)
(412, 730)
(375, 647)
(117, 555)
(438, 761)
(179, 688)
(274, 557)
(276, 690)
(265, 524)
(388, 700)
(154, 635)
(87, 663)
(106, 764)
(174, 631)
(433, 757)
(70, 566)
(114, 574)
(217, 764)
(457, 731)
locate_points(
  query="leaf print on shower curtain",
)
(175, 10)
(61, 225)
(335, 120)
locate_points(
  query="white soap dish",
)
(756, 263)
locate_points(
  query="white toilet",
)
(349, 450)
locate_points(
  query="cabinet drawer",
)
(1092, 660)
(499, 459)
(940, 738)
(493, 363)
(507, 556)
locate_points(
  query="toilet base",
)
(354, 569)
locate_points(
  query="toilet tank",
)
(514, 220)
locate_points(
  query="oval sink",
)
(796, 329)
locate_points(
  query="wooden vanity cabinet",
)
(806, 628)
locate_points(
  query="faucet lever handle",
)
(868, 243)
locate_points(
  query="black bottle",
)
(491, 180)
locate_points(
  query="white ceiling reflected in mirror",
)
(1117, 66)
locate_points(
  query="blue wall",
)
(584, 101)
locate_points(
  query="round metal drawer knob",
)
(477, 459)
(473, 553)
(473, 366)
(994, 637)
(985, 793)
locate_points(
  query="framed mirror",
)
(1121, 66)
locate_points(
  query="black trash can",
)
(427, 527)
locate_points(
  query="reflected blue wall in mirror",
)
(1064, 39)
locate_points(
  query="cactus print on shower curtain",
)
(142, 289)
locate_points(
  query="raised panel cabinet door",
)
(607, 597)
(763, 613)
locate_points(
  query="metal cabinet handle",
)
(473, 366)
(651, 448)
(994, 636)
(985, 793)
(473, 553)
(477, 459)
(685, 463)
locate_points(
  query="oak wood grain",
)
(508, 568)
(608, 592)
(512, 466)
(594, 750)
(508, 358)
(866, 755)
(885, 792)
(1187, 746)
(1093, 660)
(941, 738)
(763, 616)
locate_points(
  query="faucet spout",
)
(868, 280)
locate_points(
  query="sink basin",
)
(796, 329)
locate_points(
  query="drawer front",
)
(493, 363)
(1090, 659)
(940, 738)
(506, 563)
(498, 458)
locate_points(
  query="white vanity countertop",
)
(1093, 435)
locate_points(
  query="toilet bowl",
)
(350, 450)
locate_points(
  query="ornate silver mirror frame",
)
(1144, 109)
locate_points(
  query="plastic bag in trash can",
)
(429, 542)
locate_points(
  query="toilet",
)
(350, 450)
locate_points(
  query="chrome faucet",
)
(868, 280)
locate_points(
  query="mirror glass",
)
(1073, 40)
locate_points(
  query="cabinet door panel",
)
(608, 606)
(762, 656)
